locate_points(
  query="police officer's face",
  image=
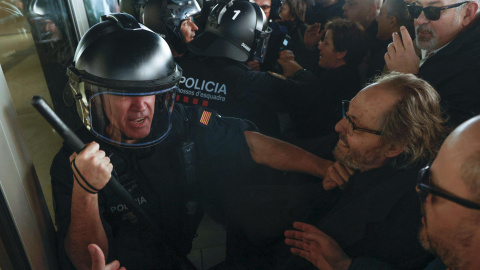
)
(327, 55)
(129, 115)
(188, 29)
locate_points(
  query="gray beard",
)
(355, 160)
(426, 44)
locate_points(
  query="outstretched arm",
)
(323, 251)
(337, 175)
(283, 156)
(85, 225)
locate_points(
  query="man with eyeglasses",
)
(447, 32)
(368, 202)
(449, 190)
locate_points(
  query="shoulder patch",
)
(276, 75)
(205, 117)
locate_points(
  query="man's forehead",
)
(372, 102)
(263, 2)
(328, 34)
(445, 169)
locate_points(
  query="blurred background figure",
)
(365, 12)
(173, 20)
(292, 17)
(393, 14)
(131, 7)
(323, 11)
(314, 110)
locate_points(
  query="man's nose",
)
(422, 19)
(193, 26)
(139, 103)
(320, 45)
(341, 126)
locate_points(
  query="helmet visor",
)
(262, 45)
(184, 9)
(131, 120)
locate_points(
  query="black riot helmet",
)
(235, 29)
(124, 80)
(165, 18)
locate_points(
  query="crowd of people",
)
(309, 130)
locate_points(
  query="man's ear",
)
(470, 12)
(393, 20)
(394, 150)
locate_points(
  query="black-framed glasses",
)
(431, 13)
(424, 186)
(351, 125)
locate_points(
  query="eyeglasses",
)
(424, 186)
(351, 125)
(265, 7)
(431, 13)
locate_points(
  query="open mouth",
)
(139, 121)
(342, 142)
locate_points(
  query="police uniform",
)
(156, 179)
(233, 89)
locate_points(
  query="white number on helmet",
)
(236, 14)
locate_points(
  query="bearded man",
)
(447, 32)
(367, 203)
(449, 190)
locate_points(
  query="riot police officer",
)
(172, 20)
(131, 7)
(216, 76)
(167, 157)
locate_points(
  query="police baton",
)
(72, 141)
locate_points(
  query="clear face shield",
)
(131, 120)
(262, 45)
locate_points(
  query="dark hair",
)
(348, 36)
(298, 8)
(398, 8)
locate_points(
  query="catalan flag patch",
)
(205, 118)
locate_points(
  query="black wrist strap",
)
(83, 179)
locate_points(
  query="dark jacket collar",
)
(465, 39)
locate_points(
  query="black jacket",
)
(455, 73)
(233, 89)
(377, 215)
